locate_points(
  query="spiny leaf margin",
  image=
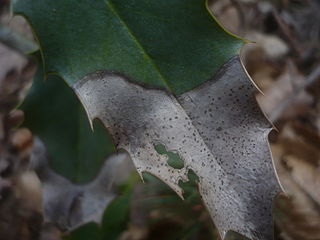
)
(175, 45)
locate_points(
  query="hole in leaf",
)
(174, 159)
(232, 235)
(190, 192)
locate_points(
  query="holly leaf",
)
(168, 44)
(119, 49)
(216, 129)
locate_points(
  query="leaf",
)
(53, 112)
(116, 216)
(89, 231)
(69, 205)
(216, 129)
(213, 125)
(114, 220)
(174, 44)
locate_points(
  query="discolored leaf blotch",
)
(216, 129)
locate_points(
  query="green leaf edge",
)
(47, 73)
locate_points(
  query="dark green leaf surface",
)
(116, 216)
(174, 44)
(54, 113)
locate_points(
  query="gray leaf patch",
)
(216, 129)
